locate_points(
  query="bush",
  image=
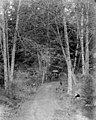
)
(84, 87)
(21, 87)
(88, 89)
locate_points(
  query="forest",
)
(47, 42)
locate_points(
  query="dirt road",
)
(44, 107)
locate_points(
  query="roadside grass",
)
(72, 104)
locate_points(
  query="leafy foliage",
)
(37, 27)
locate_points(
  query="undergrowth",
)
(85, 89)
(22, 88)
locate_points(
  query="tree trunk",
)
(59, 37)
(14, 43)
(78, 35)
(43, 76)
(48, 26)
(67, 55)
(1, 44)
(8, 63)
(5, 52)
(81, 41)
(69, 65)
(13, 57)
(39, 60)
(87, 42)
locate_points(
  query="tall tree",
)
(14, 43)
(5, 50)
(82, 38)
(87, 41)
(69, 65)
(7, 46)
(78, 35)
